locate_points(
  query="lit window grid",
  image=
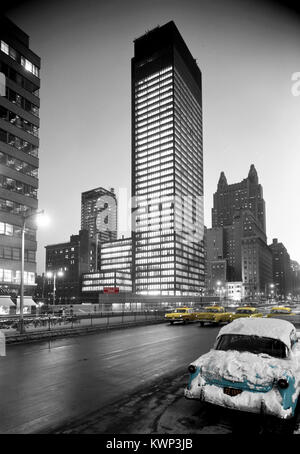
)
(149, 143)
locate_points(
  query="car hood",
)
(248, 369)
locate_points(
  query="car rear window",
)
(244, 311)
(252, 344)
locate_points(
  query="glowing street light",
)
(54, 274)
(41, 220)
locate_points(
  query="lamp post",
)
(267, 287)
(23, 229)
(54, 274)
(218, 288)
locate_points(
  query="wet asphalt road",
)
(48, 384)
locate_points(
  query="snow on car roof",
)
(263, 327)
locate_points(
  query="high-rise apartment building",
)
(229, 198)
(99, 214)
(100, 217)
(167, 165)
(19, 163)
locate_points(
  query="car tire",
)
(201, 323)
(172, 323)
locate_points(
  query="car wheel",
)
(201, 323)
(172, 323)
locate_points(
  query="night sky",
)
(247, 51)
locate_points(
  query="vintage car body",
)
(253, 367)
(280, 310)
(246, 311)
(182, 315)
(214, 314)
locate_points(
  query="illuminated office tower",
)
(19, 162)
(167, 166)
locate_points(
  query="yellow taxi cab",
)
(181, 314)
(246, 311)
(280, 310)
(214, 314)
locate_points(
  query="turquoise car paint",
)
(287, 394)
(192, 376)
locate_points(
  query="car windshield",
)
(178, 311)
(244, 311)
(252, 344)
(211, 309)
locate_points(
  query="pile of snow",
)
(255, 370)
(263, 327)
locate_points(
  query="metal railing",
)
(10, 324)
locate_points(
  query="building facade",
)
(115, 270)
(238, 236)
(71, 260)
(94, 284)
(295, 279)
(99, 214)
(248, 194)
(167, 166)
(19, 150)
(281, 269)
(117, 255)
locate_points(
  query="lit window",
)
(4, 47)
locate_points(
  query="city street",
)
(45, 385)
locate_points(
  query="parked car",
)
(213, 314)
(182, 315)
(253, 367)
(246, 311)
(280, 310)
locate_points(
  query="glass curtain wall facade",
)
(19, 163)
(167, 184)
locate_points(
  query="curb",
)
(69, 332)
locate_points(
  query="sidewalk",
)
(81, 326)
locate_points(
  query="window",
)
(4, 47)
(29, 66)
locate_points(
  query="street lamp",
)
(218, 288)
(267, 287)
(41, 220)
(54, 274)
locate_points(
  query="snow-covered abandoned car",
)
(253, 367)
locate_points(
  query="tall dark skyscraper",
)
(229, 198)
(239, 211)
(19, 144)
(167, 165)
